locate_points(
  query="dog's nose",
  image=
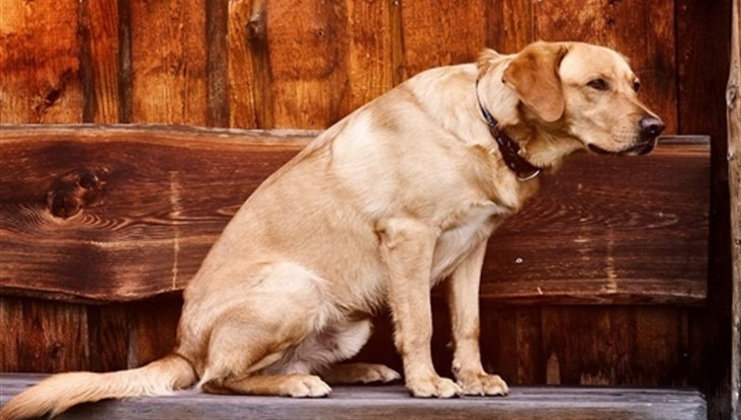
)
(651, 126)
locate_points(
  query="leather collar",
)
(508, 148)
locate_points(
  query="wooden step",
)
(393, 402)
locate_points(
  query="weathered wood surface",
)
(127, 213)
(34, 87)
(733, 96)
(384, 402)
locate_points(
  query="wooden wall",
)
(305, 64)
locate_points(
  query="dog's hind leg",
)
(250, 338)
(292, 385)
(363, 373)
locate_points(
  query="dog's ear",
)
(533, 74)
(487, 59)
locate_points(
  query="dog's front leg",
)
(463, 297)
(407, 248)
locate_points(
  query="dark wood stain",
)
(217, 65)
(152, 198)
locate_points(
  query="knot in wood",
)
(75, 191)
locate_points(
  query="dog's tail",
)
(60, 392)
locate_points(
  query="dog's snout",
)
(651, 126)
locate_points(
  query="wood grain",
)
(102, 27)
(168, 62)
(626, 345)
(642, 31)
(308, 61)
(509, 25)
(217, 69)
(733, 96)
(249, 84)
(384, 402)
(41, 336)
(370, 45)
(40, 87)
(139, 208)
(441, 33)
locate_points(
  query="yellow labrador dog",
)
(401, 194)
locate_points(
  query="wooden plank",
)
(40, 87)
(509, 25)
(369, 69)
(168, 62)
(383, 402)
(40, 336)
(733, 97)
(152, 329)
(703, 54)
(605, 231)
(249, 84)
(307, 61)
(642, 31)
(102, 27)
(217, 66)
(441, 33)
(615, 345)
(157, 198)
(108, 333)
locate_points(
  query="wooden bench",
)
(102, 214)
(122, 213)
(393, 402)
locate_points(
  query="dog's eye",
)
(636, 85)
(599, 84)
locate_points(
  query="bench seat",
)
(392, 401)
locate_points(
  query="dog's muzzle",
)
(649, 128)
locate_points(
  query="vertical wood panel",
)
(153, 328)
(249, 85)
(642, 31)
(307, 41)
(41, 336)
(102, 18)
(39, 62)
(108, 331)
(615, 345)
(217, 12)
(441, 33)
(703, 56)
(369, 61)
(509, 25)
(168, 62)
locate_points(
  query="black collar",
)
(508, 148)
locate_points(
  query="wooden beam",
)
(121, 213)
(388, 402)
(733, 97)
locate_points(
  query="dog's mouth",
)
(641, 148)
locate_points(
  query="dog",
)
(401, 194)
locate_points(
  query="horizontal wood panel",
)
(393, 401)
(122, 213)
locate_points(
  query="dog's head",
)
(587, 91)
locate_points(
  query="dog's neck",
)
(508, 148)
(543, 146)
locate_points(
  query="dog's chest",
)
(467, 229)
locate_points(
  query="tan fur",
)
(399, 195)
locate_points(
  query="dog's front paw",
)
(433, 386)
(482, 384)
